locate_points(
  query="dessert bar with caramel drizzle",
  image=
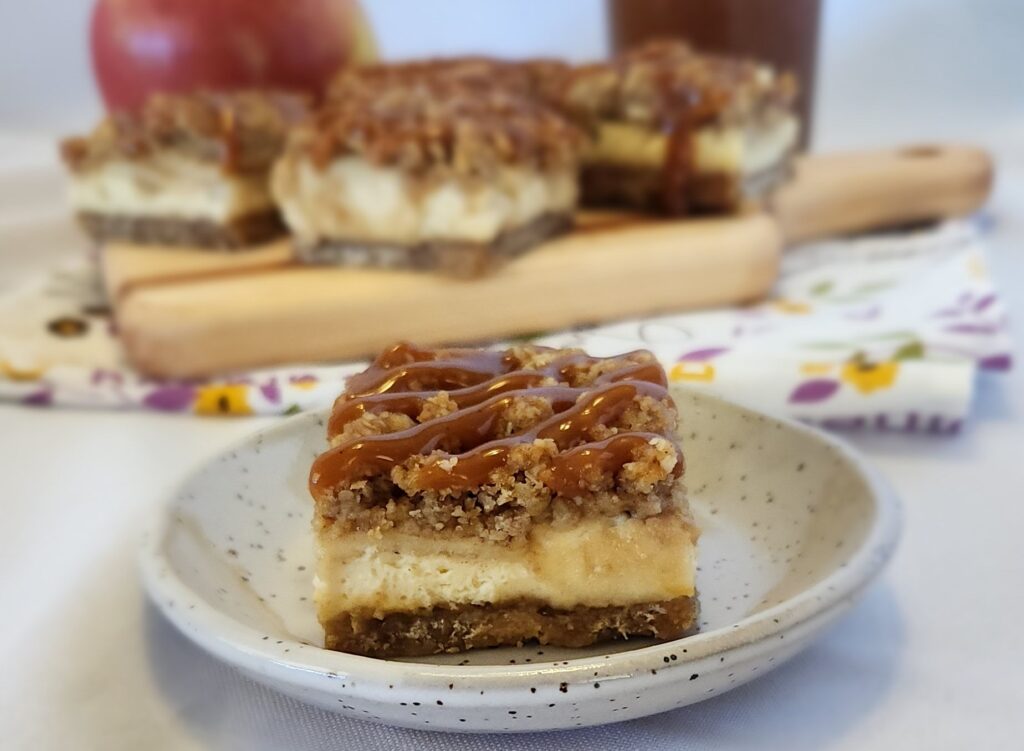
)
(479, 498)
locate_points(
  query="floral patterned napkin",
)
(881, 332)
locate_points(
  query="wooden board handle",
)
(126, 266)
(840, 194)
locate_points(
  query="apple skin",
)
(142, 46)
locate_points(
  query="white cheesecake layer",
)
(716, 149)
(352, 199)
(167, 185)
(599, 562)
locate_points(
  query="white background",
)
(931, 660)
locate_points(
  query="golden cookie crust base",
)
(251, 229)
(456, 628)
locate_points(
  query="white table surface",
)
(932, 659)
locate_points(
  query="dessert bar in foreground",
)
(441, 175)
(187, 170)
(680, 132)
(480, 498)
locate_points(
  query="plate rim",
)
(250, 650)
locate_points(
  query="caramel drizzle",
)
(569, 470)
(473, 432)
(689, 91)
(405, 354)
(375, 379)
(486, 385)
(677, 170)
(350, 407)
(397, 367)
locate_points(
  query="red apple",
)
(142, 46)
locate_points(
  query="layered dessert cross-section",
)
(481, 498)
(440, 175)
(188, 170)
(679, 132)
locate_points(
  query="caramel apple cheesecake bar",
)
(187, 170)
(442, 175)
(680, 132)
(477, 498)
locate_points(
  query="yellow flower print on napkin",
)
(223, 400)
(700, 372)
(304, 382)
(9, 371)
(977, 267)
(791, 307)
(868, 376)
(817, 368)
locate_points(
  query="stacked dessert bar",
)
(428, 173)
(677, 132)
(479, 498)
(189, 170)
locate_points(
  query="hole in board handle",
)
(924, 151)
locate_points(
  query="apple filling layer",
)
(599, 562)
(715, 150)
(355, 200)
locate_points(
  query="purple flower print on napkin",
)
(172, 397)
(701, 355)
(41, 398)
(270, 391)
(817, 390)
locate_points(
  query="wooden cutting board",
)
(186, 313)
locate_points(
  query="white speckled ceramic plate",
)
(795, 525)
